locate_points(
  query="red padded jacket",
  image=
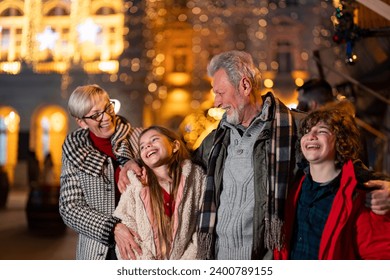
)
(352, 231)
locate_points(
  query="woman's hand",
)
(125, 240)
(123, 179)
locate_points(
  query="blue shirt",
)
(314, 204)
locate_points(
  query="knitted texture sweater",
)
(235, 228)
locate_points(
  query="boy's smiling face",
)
(318, 144)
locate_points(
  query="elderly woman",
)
(91, 160)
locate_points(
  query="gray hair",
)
(83, 98)
(237, 64)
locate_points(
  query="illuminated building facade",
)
(150, 55)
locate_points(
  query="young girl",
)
(162, 206)
(326, 217)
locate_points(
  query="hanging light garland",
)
(345, 29)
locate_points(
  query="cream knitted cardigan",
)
(135, 211)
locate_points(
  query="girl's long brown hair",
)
(164, 223)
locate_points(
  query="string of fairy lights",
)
(346, 31)
(180, 37)
(216, 26)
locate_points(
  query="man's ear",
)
(176, 146)
(81, 123)
(313, 105)
(246, 85)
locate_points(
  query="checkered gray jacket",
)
(87, 195)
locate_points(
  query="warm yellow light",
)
(55, 66)
(96, 67)
(262, 23)
(156, 104)
(299, 82)
(148, 99)
(216, 113)
(110, 66)
(152, 87)
(305, 56)
(162, 93)
(160, 71)
(160, 57)
(178, 78)
(178, 96)
(182, 17)
(196, 10)
(135, 67)
(57, 121)
(299, 74)
(195, 104)
(268, 83)
(12, 121)
(12, 67)
(292, 105)
(274, 65)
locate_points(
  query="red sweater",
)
(104, 146)
(352, 231)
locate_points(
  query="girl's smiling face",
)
(318, 144)
(156, 149)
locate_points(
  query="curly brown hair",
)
(342, 124)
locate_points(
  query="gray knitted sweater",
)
(235, 216)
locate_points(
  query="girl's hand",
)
(143, 178)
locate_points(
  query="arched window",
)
(11, 12)
(105, 11)
(58, 11)
(9, 138)
(47, 133)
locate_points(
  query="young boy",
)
(325, 213)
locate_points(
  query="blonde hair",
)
(83, 98)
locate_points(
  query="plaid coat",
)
(87, 195)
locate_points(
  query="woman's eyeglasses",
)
(109, 109)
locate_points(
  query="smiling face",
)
(156, 149)
(228, 97)
(318, 144)
(104, 125)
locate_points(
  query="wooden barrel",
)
(42, 211)
(4, 188)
